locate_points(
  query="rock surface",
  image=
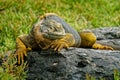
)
(108, 36)
(75, 63)
(107, 33)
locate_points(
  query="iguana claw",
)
(65, 42)
(21, 51)
(58, 45)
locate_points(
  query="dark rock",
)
(107, 33)
(75, 63)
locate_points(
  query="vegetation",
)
(10, 71)
(116, 76)
(18, 16)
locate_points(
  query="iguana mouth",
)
(52, 29)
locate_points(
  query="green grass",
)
(18, 16)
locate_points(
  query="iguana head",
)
(51, 29)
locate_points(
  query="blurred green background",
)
(18, 16)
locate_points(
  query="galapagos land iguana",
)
(51, 31)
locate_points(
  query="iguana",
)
(53, 32)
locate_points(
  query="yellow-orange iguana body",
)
(53, 32)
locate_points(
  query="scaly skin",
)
(88, 40)
(48, 33)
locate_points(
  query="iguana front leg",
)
(65, 42)
(21, 49)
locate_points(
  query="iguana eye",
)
(59, 25)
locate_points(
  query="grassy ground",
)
(17, 16)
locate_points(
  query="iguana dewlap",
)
(51, 31)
